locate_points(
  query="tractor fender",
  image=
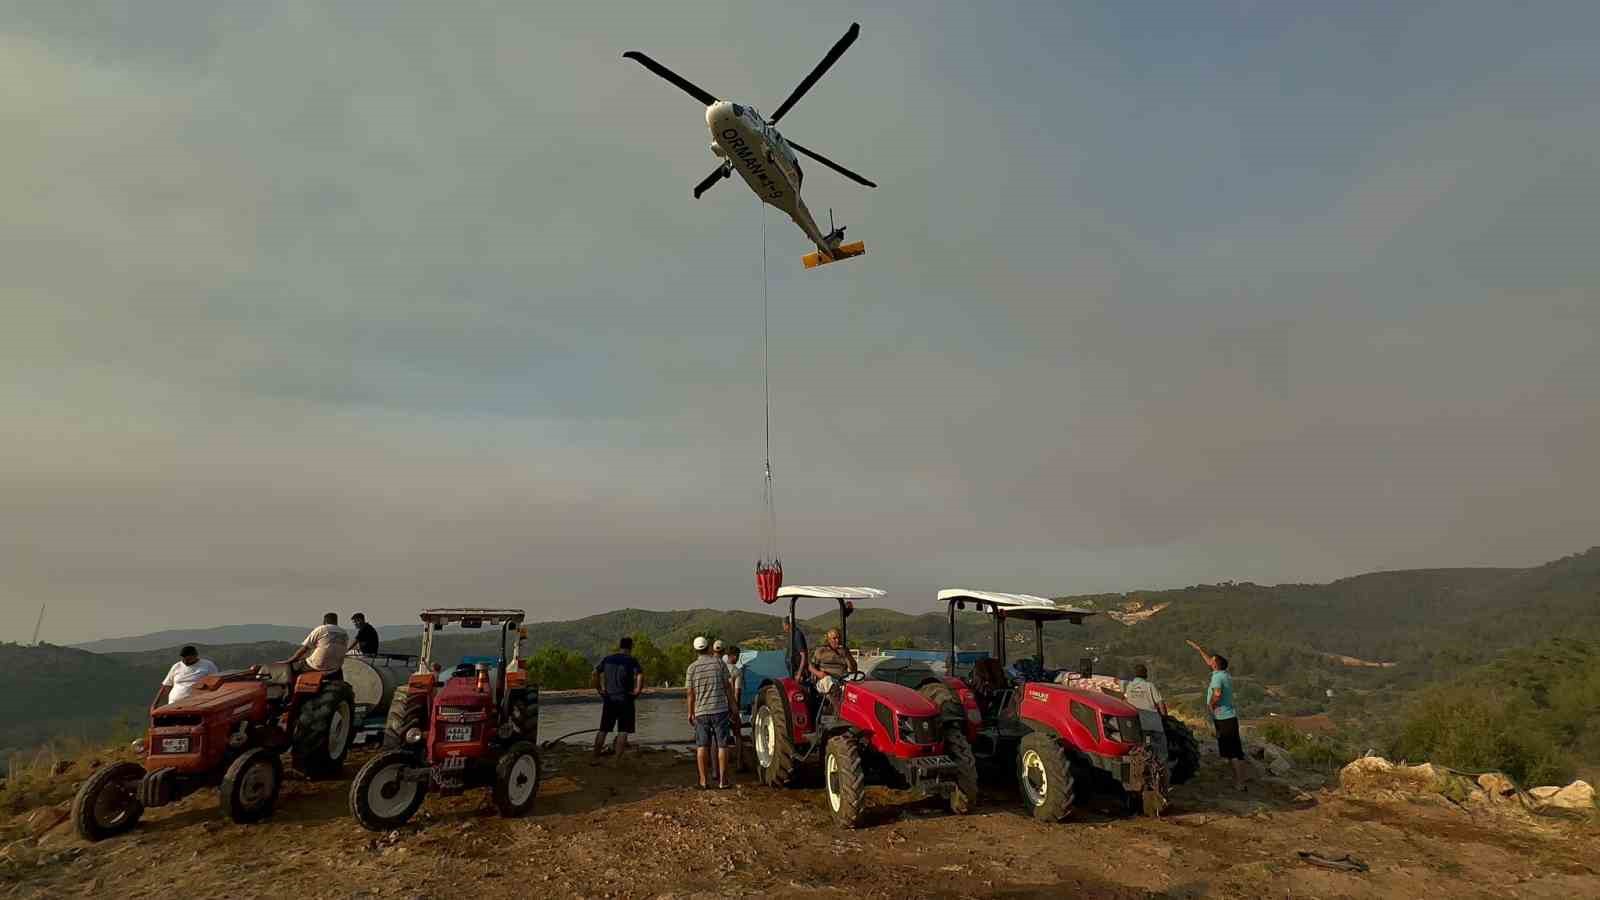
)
(796, 716)
(969, 704)
(310, 682)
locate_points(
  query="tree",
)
(902, 643)
(558, 669)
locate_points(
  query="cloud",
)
(311, 309)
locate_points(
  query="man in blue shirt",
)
(1219, 699)
(618, 679)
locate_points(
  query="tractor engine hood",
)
(902, 700)
(1106, 704)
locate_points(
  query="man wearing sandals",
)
(710, 697)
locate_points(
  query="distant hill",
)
(222, 634)
(1285, 642)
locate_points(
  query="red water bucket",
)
(769, 577)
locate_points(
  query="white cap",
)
(699, 643)
(716, 644)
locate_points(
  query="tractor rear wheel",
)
(939, 694)
(845, 779)
(1183, 750)
(1044, 778)
(774, 745)
(965, 796)
(380, 797)
(108, 803)
(323, 729)
(403, 716)
(524, 717)
(250, 787)
(516, 780)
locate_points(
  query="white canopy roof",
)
(824, 592)
(1017, 606)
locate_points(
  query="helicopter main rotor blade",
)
(723, 171)
(822, 67)
(831, 164)
(684, 84)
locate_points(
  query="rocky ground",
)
(637, 828)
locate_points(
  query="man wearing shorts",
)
(618, 679)
(1219, 699)
(711, 703)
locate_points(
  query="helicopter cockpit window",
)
(738, 110)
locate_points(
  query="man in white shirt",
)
(181, 679)
(323, 649)
(1143, 695)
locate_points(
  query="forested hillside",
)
(1294, 649)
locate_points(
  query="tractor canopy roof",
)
(823, 592)
(1014, 606)
(473, 617)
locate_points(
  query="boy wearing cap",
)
(709, 695)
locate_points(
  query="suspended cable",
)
(769, 570)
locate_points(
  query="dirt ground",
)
(637, 828)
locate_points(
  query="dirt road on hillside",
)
(638, 829)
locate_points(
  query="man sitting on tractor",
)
(323, 649)
(830, 663)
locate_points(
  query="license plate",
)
(457, 733)
(933, 762)
(454, 763)
(175, 745)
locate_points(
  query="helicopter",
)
(750, 143)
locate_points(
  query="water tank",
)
(374, 679)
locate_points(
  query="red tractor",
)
(1057, 737)
(479, 727)
(863, 731)
(228, 733)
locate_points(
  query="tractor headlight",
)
(138, 746)
(414, 736)
(917, 730)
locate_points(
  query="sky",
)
(352, 306)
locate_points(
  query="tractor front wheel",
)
(108, 803)
(323, 729)
(774, 745)
(381, 798)
(1183, 751)
(516, 780)
(965, 795)
(250, 787)
(1043, 777)
(845, 778)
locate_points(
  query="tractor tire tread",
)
(965, 796)
(310, 742)
(1057, 802)
(852, 780)
(1183, 750)
(83, 820)
(780, 770)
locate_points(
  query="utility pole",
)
(38, 625)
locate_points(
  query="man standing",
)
(323, 649)
(1143, 695)
(366, 636)
(710, 701)
(797, 665)
(730, 658)
(618, 679)
(831, 663)
(1219, 699)
(183, 676)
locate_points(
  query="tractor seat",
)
(278, 674)
(988, 675)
